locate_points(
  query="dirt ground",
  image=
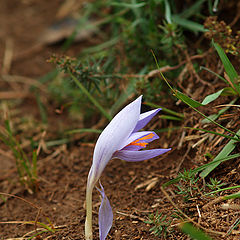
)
(133, 188)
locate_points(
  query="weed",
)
(95, 80)
(161, 226)
(194, 232)
(132, 29)
(27, 170)
(222, 34)
(215, 184)
(187, 184)
(40, 227)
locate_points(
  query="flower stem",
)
(88, 222)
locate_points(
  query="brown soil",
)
(63, 169)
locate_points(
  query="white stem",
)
(88, 222)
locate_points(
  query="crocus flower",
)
(120, 139)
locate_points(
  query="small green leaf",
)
(187, 99)
(195, 103)
(193, 232)
(212, 97)
(229, 147)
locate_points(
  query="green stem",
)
(219, 125)
(223, 189)
(90, 97)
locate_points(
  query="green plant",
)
(131, 30)
(215, 184)
(235, 136)
(193, 232)
(40, 227)
(160, 225)
(222, 34)
(27, 169)
(187, 184)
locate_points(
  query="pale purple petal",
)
(139, 135)
(112, 137)
(105, 217)
(145, 118)
(136, 156)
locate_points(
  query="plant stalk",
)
(88, 222)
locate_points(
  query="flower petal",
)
(112, 137)
(139, 137)
(136, 156)
(105, 217)
(145, 118)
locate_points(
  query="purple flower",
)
(120, 139)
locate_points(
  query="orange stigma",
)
(143, 144)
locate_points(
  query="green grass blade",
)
(220, 112)
(232, 196)
(190, 11)
(124, 96)
(168, 16)
(230, 70)
(215, 6)
(50, 75)
(234, 226)
(171, 129)
(37, 234)
(57, 142)
(212, 132)
(128, 5)
(198, 169)
(90, 97)
(193, 232)
(84, 130)
(34, 165)
(188, 24)
(166, 110)
(100, 47)
(220, 77)
(229, 147)
(225, 189)
(170, 117)
(42, 109)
